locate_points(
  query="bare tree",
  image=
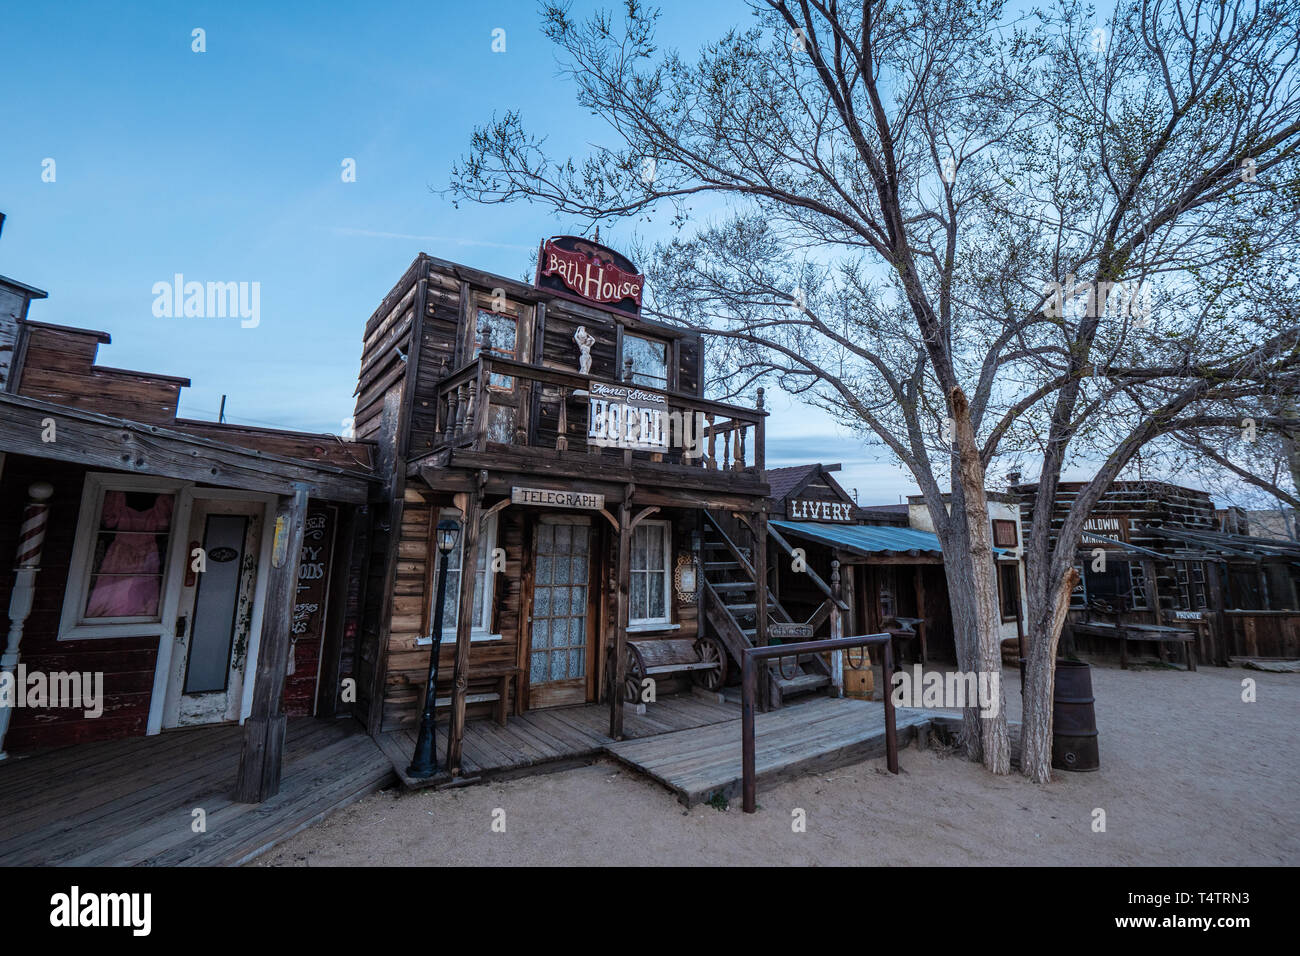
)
(966, 237)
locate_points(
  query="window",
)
(888, 589)
(503, 332)
(1004, 533)
(481, 624)
(649, 360)
(649, 602)
(118, 574)
(1009, 589)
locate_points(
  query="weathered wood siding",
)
(126, 663)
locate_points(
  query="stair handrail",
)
(731, 545)
(749, 685)
(817, 579)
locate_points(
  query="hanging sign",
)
(550, 498)
(579, 269)
(625, 416)
(787, 631)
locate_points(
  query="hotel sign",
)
(579, 269)
(625, 416)
(550, 498)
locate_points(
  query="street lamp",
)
(425, 762)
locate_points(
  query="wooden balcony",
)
(498, 406)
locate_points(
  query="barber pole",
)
(31, 539)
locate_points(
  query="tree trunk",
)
(996, 743)
(1040, 679)
(961, 598)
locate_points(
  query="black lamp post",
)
(425, 762)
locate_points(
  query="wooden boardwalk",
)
(689, 744)
(812, 736)
(132, 801)
(542, 741)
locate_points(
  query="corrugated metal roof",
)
(867, 538)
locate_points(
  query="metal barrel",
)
(1074, 719)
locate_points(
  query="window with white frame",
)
(481, 623)
(648, 587)
(118, 576)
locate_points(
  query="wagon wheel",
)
(632, 677)
(710, 651)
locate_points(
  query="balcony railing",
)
(495, 403)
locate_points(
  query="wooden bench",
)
(704, 659)
(500, 676)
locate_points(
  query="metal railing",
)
(749, 687)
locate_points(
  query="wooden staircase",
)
(730, 605)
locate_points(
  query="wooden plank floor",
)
(132, 801)
(541, 741)
(815, 735)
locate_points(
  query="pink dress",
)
(129, 555)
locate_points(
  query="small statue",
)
(585, 341)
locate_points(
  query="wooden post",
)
(620, 626)
(760, 602)
(259, 763)
(837, 631)
(464, 623)
(918, 584)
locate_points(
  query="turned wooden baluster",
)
(726, 448)
(562, 432)
(471, 409)
(740, 448)
(453, 405)
(462, 407)
(713, 451)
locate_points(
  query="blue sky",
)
(225, 166)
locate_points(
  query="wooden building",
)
(202, 572)
(1160, 567)
(883, 564)
(572, 442)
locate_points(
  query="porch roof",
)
(867, 539)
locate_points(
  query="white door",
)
(215, 612)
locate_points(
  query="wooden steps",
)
(813, 736)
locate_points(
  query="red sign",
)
(590, 272)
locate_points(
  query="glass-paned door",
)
(557, 671)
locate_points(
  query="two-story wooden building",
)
(572, 441)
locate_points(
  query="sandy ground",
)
(1190, 775)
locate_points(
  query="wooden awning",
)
(118, 444)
